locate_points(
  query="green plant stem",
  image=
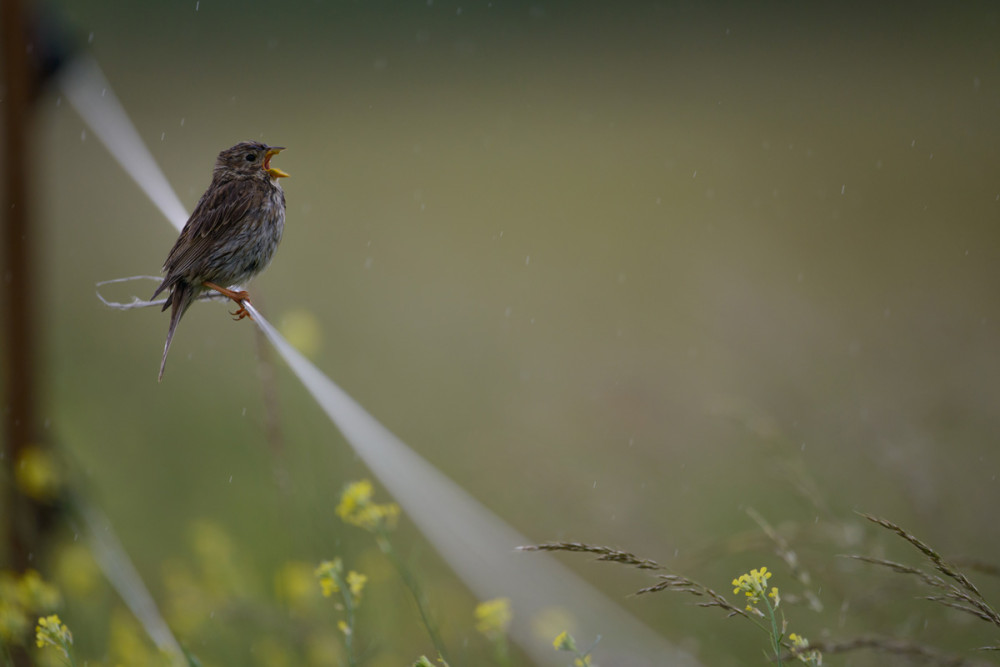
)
(501, 651)
(345, 594)
(775, 635)
(385, 544)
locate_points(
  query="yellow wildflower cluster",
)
(355, 584)
(356, 508)
(754, 585)
(565, 642)
(22, 597)
(493, 617)
(331, 578)
(52, 632)
(800, 646)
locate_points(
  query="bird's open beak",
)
(274, 172)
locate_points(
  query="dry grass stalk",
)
(677, 583)
(942, 566)
(963, 597)
(893, 646)
(606, 554)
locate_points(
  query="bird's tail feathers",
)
(163, 285)
(181, 297)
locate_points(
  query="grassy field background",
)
(621, 271)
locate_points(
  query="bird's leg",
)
(238, 297)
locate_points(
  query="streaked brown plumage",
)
(232, 234)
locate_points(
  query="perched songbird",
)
(232, 234)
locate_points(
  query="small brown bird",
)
(232, 234)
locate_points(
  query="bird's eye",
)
(251, 157)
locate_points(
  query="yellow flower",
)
(127, 643)
(293, 583)
(344, 627)
(754, 585)
(14, 622)
(37, 473)
(76, 570)
(800, 647)
(301, 328)
(328, 574)
(51, 632)
(211, 541)
(354, 496)
(221, 572)
(356, 508)
(355, 584)
(188, 604)
(493, 617)
(34, 594)
(564, 642)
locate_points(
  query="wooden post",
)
(17, 282)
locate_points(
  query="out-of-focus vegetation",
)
(621, 271)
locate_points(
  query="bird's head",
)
(250, 157)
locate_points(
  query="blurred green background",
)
(621, 270)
